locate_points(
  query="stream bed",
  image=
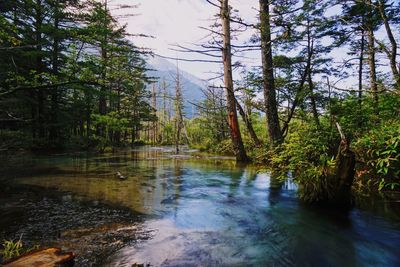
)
(185, 210)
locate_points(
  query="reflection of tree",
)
(320, 237)
(235, 180)
(250, 174)
(275, 188)
(177, 183)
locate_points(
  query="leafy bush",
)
(358, 119)
(379, 150)
(307, 153)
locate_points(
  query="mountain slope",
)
(192, 86)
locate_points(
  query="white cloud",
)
(178, 22)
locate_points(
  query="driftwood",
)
(50, 257)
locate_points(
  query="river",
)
(185, 210)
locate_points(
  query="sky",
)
(174, 22)
(177, 22)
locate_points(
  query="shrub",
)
(379, 150)
(12, 249)
(308, 153)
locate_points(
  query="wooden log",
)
(50, 257)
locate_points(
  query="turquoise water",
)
(207, 211)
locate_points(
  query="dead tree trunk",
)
(333, 186)
(344, 171)
(178, 110)
(233, 122)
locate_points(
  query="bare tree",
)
(233, 122)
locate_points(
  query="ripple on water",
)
(196, 212)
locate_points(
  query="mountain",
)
(191, 85)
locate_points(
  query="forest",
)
(72, 78)
(321, 106)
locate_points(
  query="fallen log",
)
(50, 257)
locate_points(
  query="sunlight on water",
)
(206, 211)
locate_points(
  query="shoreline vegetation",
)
(72, 77)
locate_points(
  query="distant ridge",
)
(192, 86)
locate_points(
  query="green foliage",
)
(224, 147)
(14, 139)
(208, 138)
(69, 69)
(358, 119)
(113, 121)
(379, 150)
(308, 154)
(12, 249)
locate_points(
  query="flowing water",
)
(185, 210)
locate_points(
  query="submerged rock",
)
(120, 176)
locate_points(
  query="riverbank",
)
(93, 230)
(180, 210)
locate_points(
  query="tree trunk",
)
(233, 122)
(298, 98)
(53, 132)
(360, 65)
(392, 54)
(344, 172)
(39, 67)
(271, 109)
(88, 118)
(178, 111)
(249, 125)
(103, 88)
(154, 123)
(371, 59)
(313, 101)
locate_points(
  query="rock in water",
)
(120, 176)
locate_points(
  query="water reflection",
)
(211, 212)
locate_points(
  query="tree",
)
(352, 30)
(233, 122)
(371, 26)
(383, 7)
(57, 60)
(178, 106)
(248, 89)
(271, 109)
